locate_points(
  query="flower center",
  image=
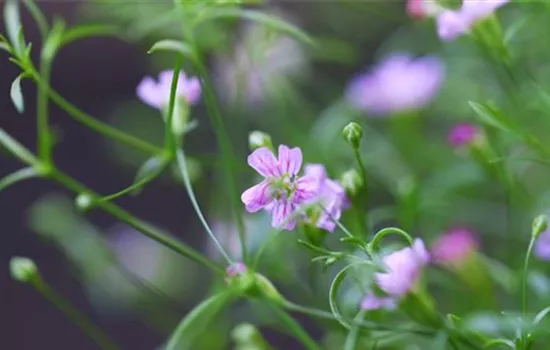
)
(283, 187)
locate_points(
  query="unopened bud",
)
(23, 269)
(258, 139)
(352, 134)
(84, 201)
(540, 224)
(180, 117)
(352, 182)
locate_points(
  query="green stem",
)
(524, 282)
(296, 328)
(42, 118)
(363, 170)
(86, 325)
(169, 137)
(93, 123)
(182, 165)
(226, 150)
(127, 218)
(353, 335)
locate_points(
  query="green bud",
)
(23, 269)
(258, 139)
(266, 289)
(179, 118)
(540, 224)
(352, 182)
(84, 201)
(352, 134)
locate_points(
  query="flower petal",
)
(290, 159)
(307, 188)
(282, 211)
(264, 162)
(256, 197)
(148, 92)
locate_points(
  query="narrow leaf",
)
(149, 170)
(196, 322)
(17, 95)
(12, 19)
(86, 31)
(541, 315)
(38, 16)
(490, 116)
(174, 46)
(262, 18)
(5, 47)
(17, 149)
(499, 342)
(20, 175)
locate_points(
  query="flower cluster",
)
(283, 191)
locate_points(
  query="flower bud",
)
(23, 269)
(352, 182)
(84, 201)
(353, 133)
(258, 139)
(540, 224)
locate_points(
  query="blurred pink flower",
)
(236, 269)
(420, 9)
(398, 84)
(454, 246)
(282, 190)
(542, 246)
(462, 134)
(404, 268)
(157, 93)
(373, 302)
(453, 23)
(332, 196)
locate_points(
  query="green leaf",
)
(264, 19)
(196, 322)
(17, 149)
(20, 175)
(39, 17)
(16, 94)
(491, 116)
(499, 342)
(5, 47)
(54, 40)
(149, 170)
(541, 315)
(12, 21)
(174, 46)
(86, 31)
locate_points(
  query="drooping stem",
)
(78, 318)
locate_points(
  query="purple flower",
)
(236, 269)
(454, 246)
(281, 191)
(420, 9)
(452, 24)
(157, 93)
(462, 134)
(373, 302)
(542, 246)
(398, 84)
(332, 196)
(404, 268)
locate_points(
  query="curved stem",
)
(86, 325)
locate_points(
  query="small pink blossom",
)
(462, 134)
(332, 196)
(398, 84)
(157, 93)
(235, 269)
(453, 23)
(404, 268)
(420, 9)
(454, 246)
(373, 302)
(282, 191)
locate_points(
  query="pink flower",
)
(452, 24)
(282, 191)
(454, 246)
(373, 302)
(404, 268)
(157, 93)
(420, 9)
(332, 196)
(236, 269)
(399, 84)
(462, 134)
(542, 246)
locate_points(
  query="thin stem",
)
(364, 189)
(142, 227)
(42, 117)
(182, 166)
(296, 328)
(86, 325)
(226, 151)
(353, 335)
(93, 123)
(524, 282)
(169, 137)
